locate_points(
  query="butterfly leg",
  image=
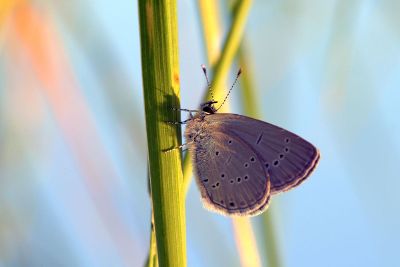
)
(187, 110)
(184, 109)
(174, 148)
(178, 122)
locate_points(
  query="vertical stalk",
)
(246, 242)
(231, 46)
(152, 260)
(160, 67)
(251, 108)
(223, 64)
(244, 235)
(270, 240)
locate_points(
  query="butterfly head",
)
(208, 107)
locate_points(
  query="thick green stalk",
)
(160, 67)
(152, 260)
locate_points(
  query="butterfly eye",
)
(190, 136)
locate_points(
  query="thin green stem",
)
(160, 68)
(270, 240)
(223, 66)
(251, 108)
(231, 46)
(244, 235)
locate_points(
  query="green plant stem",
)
(160, 68)
(251, 108)
(152, 260)
(244, 235)
(270, 240)
(231, 45)
(223, 66)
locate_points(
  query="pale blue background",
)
(327, 70)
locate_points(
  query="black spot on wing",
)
(259, 138)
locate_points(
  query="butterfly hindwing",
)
(230, 175)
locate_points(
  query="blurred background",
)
(73, 178)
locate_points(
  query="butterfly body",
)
(240, 161)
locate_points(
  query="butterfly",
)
(240, 162)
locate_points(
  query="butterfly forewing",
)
(287, 158)
(230, 175)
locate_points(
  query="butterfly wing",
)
(288, 158)
(230, 175)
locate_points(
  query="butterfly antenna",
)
(226, 97)
(208, 81)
